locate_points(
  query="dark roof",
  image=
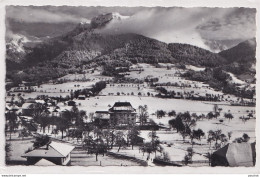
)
(235, 154)
(54, 149)
(222, 151)
(122, 107)
(118, 104)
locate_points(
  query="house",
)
(13, 108)
(102, 117)
(54, 152)
(71, 103)
(235, 154)
(81, 97)
(122, 113)
(27, 109)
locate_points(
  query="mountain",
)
(85, 47)
(244, 52)
(188, 54)
(217, 46)
(242, 60)
(101, 20)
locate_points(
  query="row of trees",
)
(96, 88)
(103, 139)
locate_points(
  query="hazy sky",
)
(184, 25)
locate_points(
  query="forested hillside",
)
(85, 47)
(188, 54)
(241, 60)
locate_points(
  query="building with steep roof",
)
(122, 113)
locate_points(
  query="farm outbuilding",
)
(235, 154)
(81, 97)
(27, 109)
(54, 152)
(71, 103)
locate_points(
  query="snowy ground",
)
(127, 89)
(194, 68)
(172, 141)
(81, 158)
(93, 104)
(65, 87)
(235, 80)
(92, 76)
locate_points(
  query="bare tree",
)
(120, 140)
(188, 157)
(12, 121)
(143, 114)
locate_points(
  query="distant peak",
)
(118, 16)
(252, 42)
(103, 19)
(84, 22)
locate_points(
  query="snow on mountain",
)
(235, 80)
(221, 45)
(16, 43)
(118, 16)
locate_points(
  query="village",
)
(151, 116)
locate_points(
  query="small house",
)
(71, 103)
(27, 109)
(81, 97)
(102, 117)
(234, 155)
(54, 152)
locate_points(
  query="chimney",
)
(47, 145)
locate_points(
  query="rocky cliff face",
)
(101, 20)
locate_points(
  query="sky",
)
(182, 25)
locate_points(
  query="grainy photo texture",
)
(130, 86)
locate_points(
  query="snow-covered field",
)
(194, 68)
(200, 91)
(235, 80)
(64, 87)
(127, 89)
(154, 104)
(89, 75)
(171, 140)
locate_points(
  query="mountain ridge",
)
(83, 46)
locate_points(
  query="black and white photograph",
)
(130, 86)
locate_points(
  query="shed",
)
(235, 154)
(81, 97)
(57, 153)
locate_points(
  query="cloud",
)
(238, 24)
(171, 25)
(185, 25)
(167, 24)
(36, 14)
